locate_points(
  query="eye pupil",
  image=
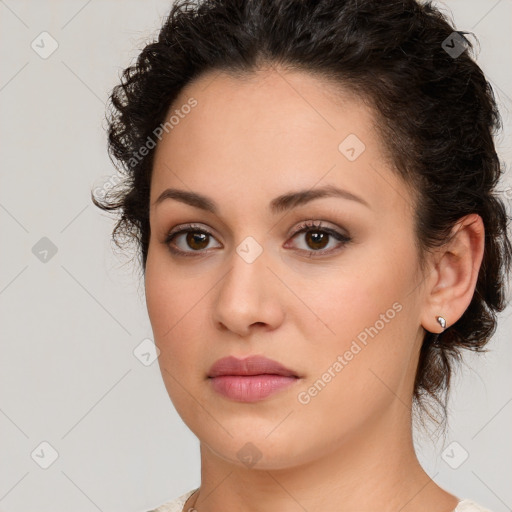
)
(196, 240)
(317, 237)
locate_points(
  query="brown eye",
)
(197, 240)
(317, 239)
(189, 241)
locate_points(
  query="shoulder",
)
(175, 505)
(470, 506)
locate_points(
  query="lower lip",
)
(250, 388)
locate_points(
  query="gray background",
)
(70, 324)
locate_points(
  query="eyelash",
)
(302, 228)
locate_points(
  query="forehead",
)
(270, 131)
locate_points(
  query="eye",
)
(317, 237)
(189, 236)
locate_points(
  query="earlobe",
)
(456, 272)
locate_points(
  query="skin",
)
(350, 448)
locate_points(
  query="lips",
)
(252, 379)
(253, 365)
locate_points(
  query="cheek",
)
(366, 315)
(166, 300)
(170, 302)
(159, 300)
(356, 374)
(347, 303)
(176, 308)
(168, 294)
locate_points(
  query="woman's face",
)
(339, 305)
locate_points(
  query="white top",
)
(176, 505)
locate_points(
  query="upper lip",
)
(253, 365)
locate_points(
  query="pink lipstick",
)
(251, 379)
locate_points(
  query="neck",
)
(375, 469)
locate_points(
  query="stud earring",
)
(441, 321)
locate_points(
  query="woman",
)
(311, 188)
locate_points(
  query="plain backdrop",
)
(73, 311)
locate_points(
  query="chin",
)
(255, 452)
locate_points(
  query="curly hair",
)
(435, 109)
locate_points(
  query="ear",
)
(452, 281)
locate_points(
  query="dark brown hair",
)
(435, 109)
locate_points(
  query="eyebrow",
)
(279, 204)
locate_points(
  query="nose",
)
(249, 296)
